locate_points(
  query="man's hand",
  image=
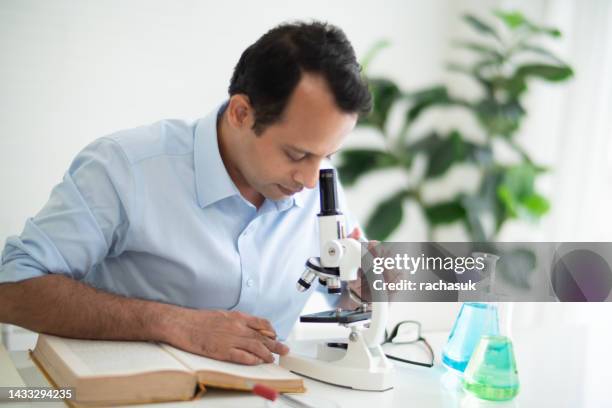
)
(230, 336)
(388, 275)
(61, 306)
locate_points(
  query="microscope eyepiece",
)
(328, 192)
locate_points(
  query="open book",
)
(105, 373)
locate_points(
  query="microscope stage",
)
(334, 316)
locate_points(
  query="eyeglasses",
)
(408, 332)
(405, 332)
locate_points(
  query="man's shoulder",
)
(168, 137)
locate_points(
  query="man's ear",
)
(240, 113)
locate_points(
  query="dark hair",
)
(269, 70)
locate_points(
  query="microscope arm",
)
(348, 252)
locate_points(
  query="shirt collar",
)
(298, 199)
(295, 200)
(213, 183)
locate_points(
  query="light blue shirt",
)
(152, 213)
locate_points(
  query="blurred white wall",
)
(74, 70)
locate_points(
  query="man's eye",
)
(295, 158)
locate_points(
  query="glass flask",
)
(474, 321)
(491, 373)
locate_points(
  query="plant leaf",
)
(512, 19)
(448, 151)
(551, 31)
(372, 53)
(516, 193)
(488, 194)
(437, 95)
(384, 94)
(506, 197)
(515, 19)
(386, 217)
(541, 51)
(484, 49)
(548, 72)
(473, 210)
(357, 162)
(536, 204)
(500, 119)
(480, 26)
(519, 179)
(434, 93)
(444, 213)
(482, 154)
(425, 144)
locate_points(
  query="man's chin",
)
(285, 192)
(276, 192)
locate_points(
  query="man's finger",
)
(243, 357)
(355, 234)
(260, 324)
(281, 349)
(272, 345)
(372, 247)
(256, 347)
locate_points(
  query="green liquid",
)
(489, 392)
(491, 373)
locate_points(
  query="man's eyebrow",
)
(297, 149)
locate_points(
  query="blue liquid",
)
(474, 321)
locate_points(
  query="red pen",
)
(272, 395)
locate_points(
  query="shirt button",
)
(250, 283)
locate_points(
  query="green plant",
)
(505, 61)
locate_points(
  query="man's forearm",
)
(55, 304)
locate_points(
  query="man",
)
(195, 234)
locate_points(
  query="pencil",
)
(268, 333)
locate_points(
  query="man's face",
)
(287, 155)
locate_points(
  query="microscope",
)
(359, 361)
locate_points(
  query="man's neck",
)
(225, 139)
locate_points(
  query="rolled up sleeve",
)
(85, 219)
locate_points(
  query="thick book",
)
(103, 373)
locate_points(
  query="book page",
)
(195, 362)
(9, 376)
(106, 358)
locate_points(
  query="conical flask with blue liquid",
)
(475, 319)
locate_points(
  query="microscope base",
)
(357, 367)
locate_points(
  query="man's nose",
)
(311, 179)
(308, 177)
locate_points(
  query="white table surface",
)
(558, 367)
